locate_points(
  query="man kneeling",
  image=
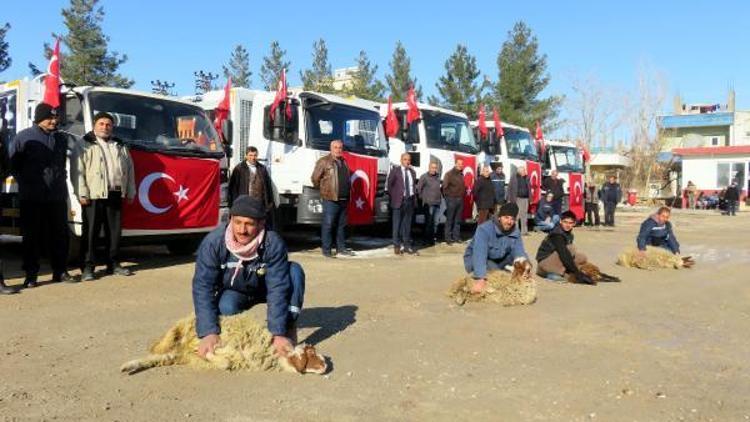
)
(240, 265)
(657, 231)
(496, 245)
(557, 255)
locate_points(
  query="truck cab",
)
(290, 147)
(515, 148)
(563, 156)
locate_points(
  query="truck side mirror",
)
(226, 130)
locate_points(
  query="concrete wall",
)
(741, 129)
(675, 138)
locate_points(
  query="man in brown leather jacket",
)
(454, 190)
(331, 177)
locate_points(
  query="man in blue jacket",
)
(611, 195)
(657, 231)
(545, 217)
(496, 244)
(240, 265)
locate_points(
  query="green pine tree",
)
(400, 80)
(460, 88)
(521, 79)
(364, 82)
(238, 68)
(273, 63)
(5, 60)
(320, 77)
(87, 61)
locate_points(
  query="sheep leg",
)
(151, 361)
(606, 278)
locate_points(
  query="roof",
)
(422, 106)
(730, 150)
(491, 123)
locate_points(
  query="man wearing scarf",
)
(496, 245)
(242, 264)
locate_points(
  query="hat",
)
(245, 206)
(510, 209)
(103, 115)
(44, 111)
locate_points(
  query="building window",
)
(726, 173)
(715, 141)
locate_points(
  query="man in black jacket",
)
(611, 195)
(557, 255)
(38, 165)
(555, 186)
(251, 178)
(484, 195)
(732, 196)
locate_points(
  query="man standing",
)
(239, 265)
(38, 165)
(4, 168)
(611, 196)
(518, 193)
(557, 255)
(691, 189)
(555, 186)
(454, 190)
(496, 244)
(251, 178)
(732, 196)
(591, 199)
(428, 189)
(657, 231)
(484, 195)
(402, 190)
(105, 178)
(331, 177)
(498, 182)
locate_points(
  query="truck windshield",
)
(567, 159)
(158, 124)
(520, 145)
(445, 131)
(360, 130)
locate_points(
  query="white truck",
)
(515, 148)
(151, 126)
(291, 147)
(440, 135)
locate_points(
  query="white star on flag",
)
(181, 193)
(359, 203)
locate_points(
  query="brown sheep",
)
(507, 289)
(245, 344)
(654, 258)
(594, 273)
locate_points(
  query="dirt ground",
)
(660, 346)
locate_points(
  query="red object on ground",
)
(412, 114)
(575, 190)
(172, 193)
(222, 110)
(470, 167)
(482, 122)
(364, 187)
(391, 121)
(52, 80)
(534, 171)
(632, 197)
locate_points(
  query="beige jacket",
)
(92, 174)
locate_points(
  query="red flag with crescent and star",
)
(363, 183)
(534, 172)
(499, 132)
(412, 114)
(172, 193)
(52, 80)
(539, 136)
(222, 110)
(281, 97)
(391, 121)
(470, 167)
(575, 202)
(482, 123)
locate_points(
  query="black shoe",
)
(328, 254)
(30, 282)
(6, 290)
(64, 277)
(411, 251)
(118, 269)
(88, 274)
(346, 252)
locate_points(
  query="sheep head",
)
(521, 270)
(304, 359)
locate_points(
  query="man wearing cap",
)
(496, 244)
(239, 265)
(557, 255)
(105, 178)
(38, 158)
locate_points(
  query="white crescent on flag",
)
(360, 174)
(577, 192)
(144, 189)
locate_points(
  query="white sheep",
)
(515, 288)
(653, 258)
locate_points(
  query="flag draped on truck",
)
(172, 193)
(534, 171)
(575, 202)
(364, 187)
(222, 110)
(470, 165)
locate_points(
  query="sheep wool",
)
(507, 289)
(654, 258)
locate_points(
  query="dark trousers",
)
(731, 207)
(609, 213)
(430, 219)
(453, 215)
(484, 215)
(592, 214)
(233, 302)
(402, 218)
(44, 225)
(334, 217)
(557, 206)
(102, 213)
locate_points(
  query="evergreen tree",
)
(239, 68)
(459, 88)
(521, 79)
(5, 60)
(320, 77)
(400, 80)
(87, 61)
(364, 82)
(273, 63)
(162, 87)
(204, 82)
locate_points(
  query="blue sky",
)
(701, 47)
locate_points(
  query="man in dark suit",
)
(251, 178)
(402, 189)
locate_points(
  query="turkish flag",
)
(172, 193)
(412, 114)
(364, 186)
(482, 123)
(575, 181)
(499, 132)
(222, 110)
(281, 96)
(470, 166)
(539, 137)
(52, 80)
(535, 182)
(391, 121)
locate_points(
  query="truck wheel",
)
(183, 246)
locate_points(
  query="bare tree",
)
(594, 111)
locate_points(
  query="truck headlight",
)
(315, 206)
